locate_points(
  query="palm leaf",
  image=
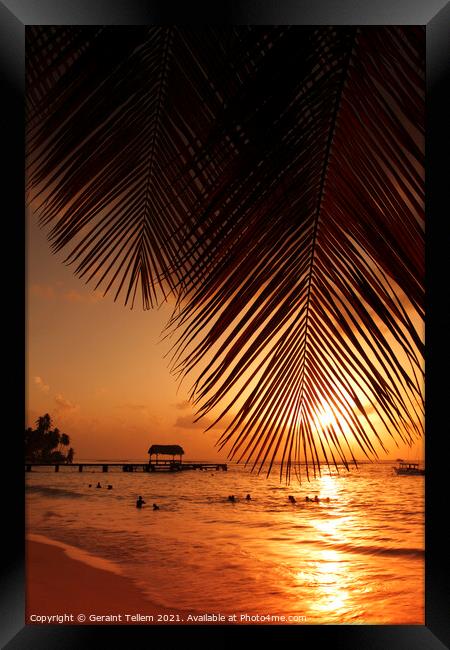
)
(272, 180)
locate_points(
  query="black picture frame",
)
(435, 15)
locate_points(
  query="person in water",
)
(292, 499)
(248, 497)
(232, 498)
(98, 485)
(109, 487)
(90, 484)
(140, 502)
(155, 507)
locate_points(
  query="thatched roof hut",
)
(167, 450)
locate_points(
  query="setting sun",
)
(327, 417)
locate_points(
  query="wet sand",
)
(57, 584)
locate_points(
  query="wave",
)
(78, 554)
(54, 492)
(49, 514)
(393, 552)
(373, 550)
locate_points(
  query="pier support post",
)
(56, 468)
(28, 468)
(80, 468)
(105, 468)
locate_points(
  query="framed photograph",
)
(233, 236)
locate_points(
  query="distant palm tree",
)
(44, 423)
(64, 439)
(53, 439)
(271, 179)
(45, 444)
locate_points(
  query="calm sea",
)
(357, 559)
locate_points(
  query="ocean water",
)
(357, 559)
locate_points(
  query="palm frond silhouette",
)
(271, 180)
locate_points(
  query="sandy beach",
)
(58, 584)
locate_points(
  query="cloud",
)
(187, 422)
(133, 406)
(48, 292)
(64, 404)
(41, 384)
(182, 406)
(77, 297)
(45, 291)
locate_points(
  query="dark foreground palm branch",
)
(271, 180)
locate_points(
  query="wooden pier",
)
(159, 466)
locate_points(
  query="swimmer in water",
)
(155, 507)
(140, 502)
(292, 499)
(248, 497)
(109, 487)
(316, 499)
(98, 485)
(232, 498)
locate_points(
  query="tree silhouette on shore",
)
(44, 444)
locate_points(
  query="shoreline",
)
(65, 583)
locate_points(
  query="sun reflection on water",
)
(332, 594)
(328, 570)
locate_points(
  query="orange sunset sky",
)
(98, 368)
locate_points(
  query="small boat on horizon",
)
(409, 469)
